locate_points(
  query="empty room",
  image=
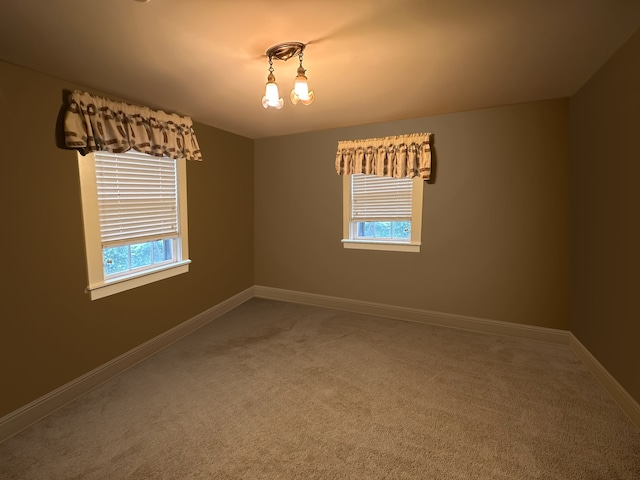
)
(382, 239)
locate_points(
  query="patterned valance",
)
(94, 123)
(399, 156)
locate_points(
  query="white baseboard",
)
(27, 415)
(610, 384)
(617, 392)
(475, 324)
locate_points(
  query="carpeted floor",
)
(274, 390)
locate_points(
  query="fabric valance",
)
(398, 156)
(93, 123)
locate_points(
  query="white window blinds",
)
(375, 198)
(137, 197)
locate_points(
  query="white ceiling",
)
(367, 60)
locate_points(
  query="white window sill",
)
(381, 245)
(128, 282)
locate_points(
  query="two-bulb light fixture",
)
(300, 92)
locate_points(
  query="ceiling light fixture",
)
(300, 92)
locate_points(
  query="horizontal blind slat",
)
(141, 239)
(137, 197)
(376, 198)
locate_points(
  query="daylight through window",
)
(135, 217)
(382, 213)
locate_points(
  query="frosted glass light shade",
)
(272, 97)
(300, 92)
(301, 87)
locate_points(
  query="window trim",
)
(98, 286)
(384, 245)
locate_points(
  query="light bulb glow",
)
(271, 96)
(301, 92)
(301, 87)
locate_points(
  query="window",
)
(134, 209)
(382, 213)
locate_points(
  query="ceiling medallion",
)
(284, 51)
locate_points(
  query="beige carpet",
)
(281, 391)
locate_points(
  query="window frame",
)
(99, 286)
(348, 226)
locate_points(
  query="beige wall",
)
(51, 332)
(495, 231)
(495, 239)
(605, 213)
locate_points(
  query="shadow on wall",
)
(434, 161)
(59, 133)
